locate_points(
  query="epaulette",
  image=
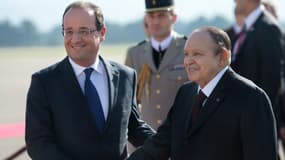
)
(142, 42)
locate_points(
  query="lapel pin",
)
(218, 99)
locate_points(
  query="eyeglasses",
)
(84, 32)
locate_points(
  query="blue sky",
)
(47, 13)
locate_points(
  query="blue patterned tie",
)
(93, 101)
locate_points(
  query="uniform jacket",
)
(236, 123)
(59, 125)
(159, 93)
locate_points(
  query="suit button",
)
(158, 91)
(158, 121)
(158, 76)
(157, 106)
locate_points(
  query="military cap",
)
(159, 5)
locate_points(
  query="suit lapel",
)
(250, 34)
(69, 81)
(212, 104)
(246, 41)
(113, 81)
(190, 102)
(73, 94)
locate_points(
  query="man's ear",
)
(103, 32)
(224, 56)
(174, 18)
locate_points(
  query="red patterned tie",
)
(200, 98)
(239, 41)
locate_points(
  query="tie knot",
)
(243, 29)
(201, 96)
(159, 48)
(88, 72)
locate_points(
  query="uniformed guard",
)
(158, 61)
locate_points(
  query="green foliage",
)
(27, 34)
(116, 52)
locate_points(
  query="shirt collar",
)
(97, 66)
(163, 44)
(252, 17)
(237, 28)
(208, 89)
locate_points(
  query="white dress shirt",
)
(253, 16)
(163, 44)
(237, 28)
(209, 87)
(98, 78)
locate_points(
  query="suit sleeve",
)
(270, 64)
(157, 147)
(139, 131)
(280, 100)
(258, 130)
(270, 51)
(40, 137)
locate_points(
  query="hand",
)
(282, 133)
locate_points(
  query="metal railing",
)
(17, 153)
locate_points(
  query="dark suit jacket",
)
(232, 34)
(281, 97)
(236, 123)
(59, 125)
(259, 56)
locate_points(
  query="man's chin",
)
(192, 77)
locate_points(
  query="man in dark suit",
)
(234, 122)
(258, 57)
(280, 100)
(83, 107)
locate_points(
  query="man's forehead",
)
(199, 34)
(80, 9)
(199, 38)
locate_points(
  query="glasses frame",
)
(82, 32)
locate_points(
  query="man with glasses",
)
(158, 61)
(83, 107)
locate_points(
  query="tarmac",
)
(14, 82)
